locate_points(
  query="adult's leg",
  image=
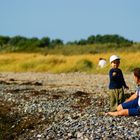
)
(130, 104)
(123, 112)
(127, 109)
(119, 107)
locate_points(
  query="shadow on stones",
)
(81, 100)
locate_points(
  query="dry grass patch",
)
(35, 62)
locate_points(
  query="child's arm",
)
(123, 81)
(132, 97)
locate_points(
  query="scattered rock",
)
(60, 106)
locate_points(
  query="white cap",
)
(114, 57)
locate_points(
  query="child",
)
(130, 107)
(102, 62)
(116, 83)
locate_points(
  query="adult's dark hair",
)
(137, 72)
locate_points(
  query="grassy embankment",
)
(36, 62)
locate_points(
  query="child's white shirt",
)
(102, 63)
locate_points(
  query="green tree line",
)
(21, 41)
(103, 39)
(93, 44)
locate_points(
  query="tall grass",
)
(91, 49)
(35, 62)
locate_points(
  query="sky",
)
(70, 20)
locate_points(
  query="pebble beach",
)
(45, 106)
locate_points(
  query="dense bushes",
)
(91, 44)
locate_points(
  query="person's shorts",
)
(133, 107)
